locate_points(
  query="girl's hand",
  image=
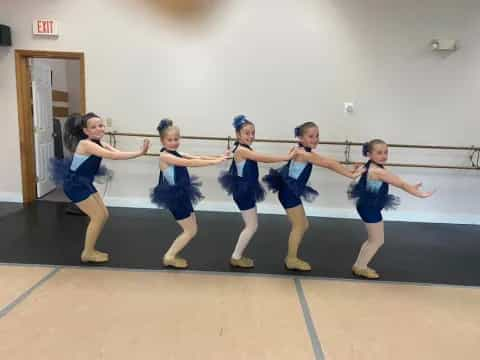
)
(423, 194)
(228, 154)
(298, 151)
(291, 153)
(145, 146)
(294, 151)
(220, 159)
(426, 194)
(358, 171)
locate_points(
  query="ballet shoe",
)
(243, 262)
(366, 273)
(94, 257)
(297, 264)
(175, 262)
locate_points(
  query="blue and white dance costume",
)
(241, 181)
(290, 181)
(176, 190)
(372, 197)
(77, 174)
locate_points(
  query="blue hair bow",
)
(238, 121)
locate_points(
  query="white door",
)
(42, 124)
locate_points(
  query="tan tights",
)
(94, 207)
(299, 225)
(189, 227)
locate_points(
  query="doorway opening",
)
(50, 87)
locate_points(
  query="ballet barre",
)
(474, 151)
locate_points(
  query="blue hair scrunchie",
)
(239, 121)
(365, 149)
(164, 123)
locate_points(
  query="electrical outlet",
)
(348, 107)
(109, 122)
(443, 45)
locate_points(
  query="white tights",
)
(250, 218)
(371, 245)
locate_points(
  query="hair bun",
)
(365, 149)
(163, 124)
(301, 129)
(73, 129)
(73, 124)
(238, 121)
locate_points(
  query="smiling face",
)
(246, 135)
(171, 138)
(95, 129)
(378, 153)
(310, 137)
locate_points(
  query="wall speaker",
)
(5, 36)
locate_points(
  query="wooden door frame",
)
(25, 120)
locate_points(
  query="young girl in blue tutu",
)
(241, 181)
(177, 190)
(291, 184)
(371, 196)
(82, 136)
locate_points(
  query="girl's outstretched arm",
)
(333, 165)
(90, 148)
(109, 147)
(200, 157)
(263, 158)
(396, 181)
(189, 162)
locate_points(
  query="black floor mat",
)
(43, 233)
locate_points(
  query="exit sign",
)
(45, 27)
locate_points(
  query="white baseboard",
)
(397, 215)
(264, 208)
(11, 197)
(229, 206)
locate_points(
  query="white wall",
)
(280, 62)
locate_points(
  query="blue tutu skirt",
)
(277, 179)
(60, 171)
(166, 195)
(239, 186)
(368, 199)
